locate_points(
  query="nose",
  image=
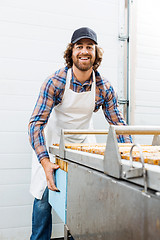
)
(84, 50)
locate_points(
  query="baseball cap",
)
(84, 32)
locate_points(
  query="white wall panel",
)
(67, 8)
(16, 102)
(15, 160)
(34, 36)
(15, 216)
(148, 73)
(148, 110)
(29, 49)
(15, 195)
(9, 121)
(147, 77)
(145, 63)
(15, 176)
(14, 142)
(147, 117)
(18, 87)
(27, 70)
(143, 83)
(149, 98)
(15, 233)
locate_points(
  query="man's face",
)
(84, 54)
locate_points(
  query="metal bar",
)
(121, 52)
(123, 101)
(132, 169)
(123, 38)
(139, 130)
(84, 131)
(128, 63)
(66, 232)
(62, 145)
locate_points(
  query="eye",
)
(89, 48)
(79, 47)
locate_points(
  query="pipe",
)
(128, 64)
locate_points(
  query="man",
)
(67, 100)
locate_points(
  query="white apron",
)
(74, 112)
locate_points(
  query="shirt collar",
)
(86, 83)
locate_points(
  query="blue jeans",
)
(41, 218)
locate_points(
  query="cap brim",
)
(76, 40)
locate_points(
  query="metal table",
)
(105, 197)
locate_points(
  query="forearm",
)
(120, 122)
(114, 116)
(124, 139)
(37, 140)
(44, 162)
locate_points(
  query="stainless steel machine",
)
(105, 197)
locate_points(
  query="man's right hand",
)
(49, 168)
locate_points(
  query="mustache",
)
(85, 55)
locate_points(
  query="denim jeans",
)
(41, 218)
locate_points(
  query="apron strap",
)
(68, 79)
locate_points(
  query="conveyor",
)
(104, 197)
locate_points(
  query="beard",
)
(83, 66)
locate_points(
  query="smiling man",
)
(67, 100)
(83, 55)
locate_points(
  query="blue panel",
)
(58, 200)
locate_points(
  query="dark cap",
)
(83, 33)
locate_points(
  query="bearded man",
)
(67, 100)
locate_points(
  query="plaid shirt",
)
(51, 94)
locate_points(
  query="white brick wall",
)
(34, 35)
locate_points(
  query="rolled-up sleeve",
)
(112, 112)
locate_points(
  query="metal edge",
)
(112, 159)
